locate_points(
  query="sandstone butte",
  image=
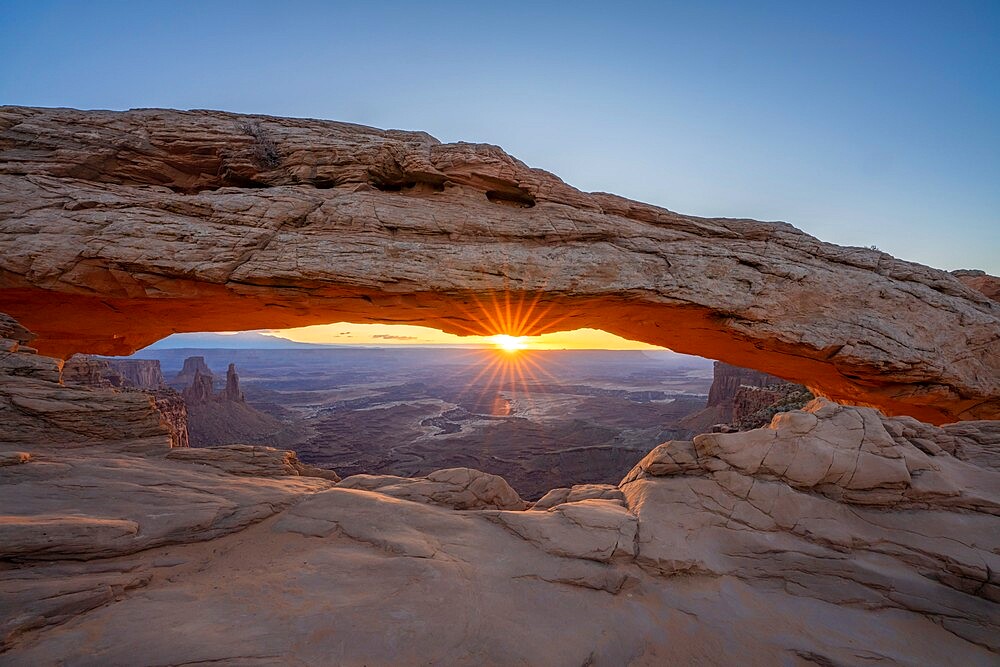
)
(119, 228)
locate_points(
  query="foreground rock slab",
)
(834, 536)
(118, 228)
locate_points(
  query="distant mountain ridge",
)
(244, 339)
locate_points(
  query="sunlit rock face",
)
(980, 281)
(117, 229)
(44, 403)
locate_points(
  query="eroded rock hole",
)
(509, 198)
(406, 185)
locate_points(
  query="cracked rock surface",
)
(458, 488)
(836, 535)
(118, 228)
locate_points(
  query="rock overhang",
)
(119, 228)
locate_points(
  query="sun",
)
(509, 344)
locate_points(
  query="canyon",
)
(541, 419)
(863, 527)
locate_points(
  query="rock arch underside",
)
(121, 228)
(839, 534)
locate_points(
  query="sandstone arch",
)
(118, 228)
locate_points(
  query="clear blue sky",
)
(861, 123)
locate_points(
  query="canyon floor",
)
(540, 419)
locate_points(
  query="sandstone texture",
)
(139, 376)
(578, 492)
(118, 228)
(458, 488)
(836, 536)
(251, 460)
(37, 408)
(980, 281)
(93, 371)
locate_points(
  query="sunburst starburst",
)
(509, 344)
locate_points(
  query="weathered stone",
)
(864, 538)
(232, 391)
(173, 415)
(255, 461)
(980, 281)
(579, 492)
(670, 458)
(458, 488)
(594, 529)
(87, 371)
(856, 455)
(160, 221)
(109, 553)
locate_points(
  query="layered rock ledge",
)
(834, 536)
(118, 228)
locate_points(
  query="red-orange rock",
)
(117, 229)
(980, 281)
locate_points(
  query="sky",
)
(862, 123)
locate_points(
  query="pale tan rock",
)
(353, 577)
(34, 411)
(158, 221)
(37, 407)
(595, 529)
(853, 454)
(44, 596)
(458, 488)
(83, 501)
(113, 551)
(974, 441)
(39, 536)
(578, 492)
(252, 460)
(848, 448)
(669, 458)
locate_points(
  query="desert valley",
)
(540, 419)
